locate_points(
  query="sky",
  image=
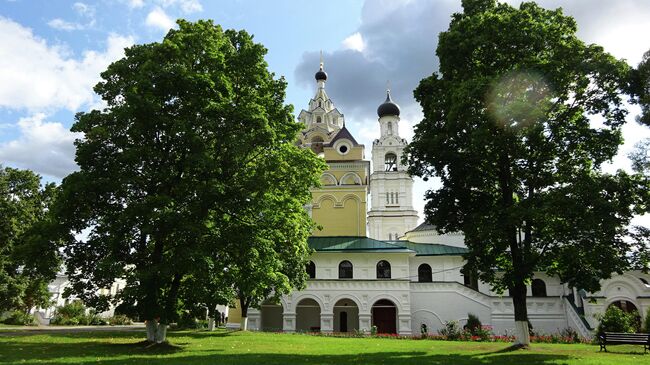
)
(52, 54)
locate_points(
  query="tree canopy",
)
(192, 126)
(26, 266)
(517, 124)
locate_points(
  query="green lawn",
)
(287, 349)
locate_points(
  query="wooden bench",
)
(615, 338)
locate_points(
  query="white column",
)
(326, 322)
(289, 322)
(364, 322)
(404, 324)
(254, 320)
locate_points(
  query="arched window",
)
(390, 163)
(424, 273)
(318, 119)
(345, 270)
(538, 288)
(390, 128)
(383, 270)
(311, 270)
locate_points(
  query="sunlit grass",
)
(267, 349)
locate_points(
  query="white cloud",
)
(157, 18)
(37, 76)
(61, 24)
(45, 147)
(186, 6)
(354, 42)
(83, 9)
(135, 4)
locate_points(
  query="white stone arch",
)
(612, 289)
(332, 178)
(350, 296)
(303, 296)
(352, 175)
(431, 326)
(398, 303)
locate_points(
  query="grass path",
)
(121, 347)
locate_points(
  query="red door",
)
(384, 316)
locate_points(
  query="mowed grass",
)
(286, 349)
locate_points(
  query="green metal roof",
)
(353, 243)
(365, 244)
(435, 249)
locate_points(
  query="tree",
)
(642, 89)
(26, 267)
(508, 129)
(162, 167)
(267, 242)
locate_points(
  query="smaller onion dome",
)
(388, 107)
(321, 75)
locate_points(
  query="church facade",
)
(374, 266)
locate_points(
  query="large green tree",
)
(167, 163)
(517, 124)
(26, 265)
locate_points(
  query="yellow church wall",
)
(355, 154)
(340, 211)
(234, 313)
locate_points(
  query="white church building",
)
(397, 275)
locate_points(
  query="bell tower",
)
(339, 206)
(391, 213)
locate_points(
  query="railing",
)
(576, 320)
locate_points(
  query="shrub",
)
(74, 314)
(119, 320)
(451, 330)
(188, 321)
(373, 331)
(473, 324)
(615, 320)
(20, 318)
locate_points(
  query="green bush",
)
(473, 325)
(20, 318)
(188, 321)
(451, 330)
(615, 320)
(75, 314)
(119, 320)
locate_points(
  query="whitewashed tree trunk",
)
(522, 336)
(151, 330)
(161, 333)
(211, 324)
(244, 324)
(156, 332)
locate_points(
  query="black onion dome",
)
(388, 107)
(321, 75)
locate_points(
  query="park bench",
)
(615, 338)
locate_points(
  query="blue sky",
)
(51, 54)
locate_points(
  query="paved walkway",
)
(27, 330)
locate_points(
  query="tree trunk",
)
(244, 315)
(522, 336)
(156, 332)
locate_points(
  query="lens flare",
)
(519, 99)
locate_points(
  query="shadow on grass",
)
(100, 352)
